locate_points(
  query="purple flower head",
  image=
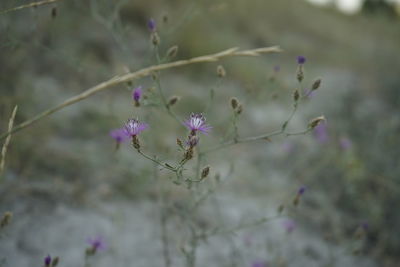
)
(133, 127)
(259, 263)
(97, 244)
(47, 260)
(321, 133)
(151, 24)
(119, 135)
(301, 190)
(364, 226)
(289, 226)
(301, 60)
(197, 122)
(137, 93)
(345, 143)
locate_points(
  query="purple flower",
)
(47, 260)
(301, 190)
(259, 263)
(137, 93)
(197, 122)
(97, 244)
(301, 60)
(345, 143)
(321, 133)
(151, 24)
(289, 226)
(119, 135)
(133, 127)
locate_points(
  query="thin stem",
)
(8, 139)
(156, 161)
(119, 79)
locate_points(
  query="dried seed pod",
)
(172, 101)
(172, 52)
(296, 95)
(234, 102)
(205, 172)
(315, 122)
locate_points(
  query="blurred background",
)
(64, 181)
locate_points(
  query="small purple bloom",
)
(259, 263)
(301, 190)
(98, 243)
(345, 143)
(47, 260)
(364, 226)
(321, 133)
(137, 93)
(301, 60)
(119, 135)
(151, 24)
(289, 226)
(197, 122)
(133, 127)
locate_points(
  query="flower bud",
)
(6, 219)
(300, 73)
(155, 39)
(315, 122)
(234, 102)
(172, 101)
(135, 142)
(55, 261)
(205, 172)
(316, 85)
(54, 12)
(172, 52)
(221, 71)
(239, 109)
(296, 95)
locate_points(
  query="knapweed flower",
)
(301, 60)
(289, 226)
(119, 135)
(136, 95)
(151, 24)
(97, 244)
(197, 122)
(133, 127)
(321, 133)
(345, 143)
(47, 261)
(301, 190)
(259, 263)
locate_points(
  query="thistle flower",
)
(96, 244)
(151, 24)
(301, 190)
(119, 135)
(259, 263)
(345, 143)
(301, 60)
(137, 94)
(197, 122)
(133, 127)
(47, 261)
(321, 133)
(289, 226)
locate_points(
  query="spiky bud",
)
(135, 142)
(221, 71)
(155, 38)
(205, 172)
(172, 52)
(316, 84)
(6, 219)
(234, 102)
(296, 95)
(300, 73)
(172, 101)
(55, 261)
(315, 122)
